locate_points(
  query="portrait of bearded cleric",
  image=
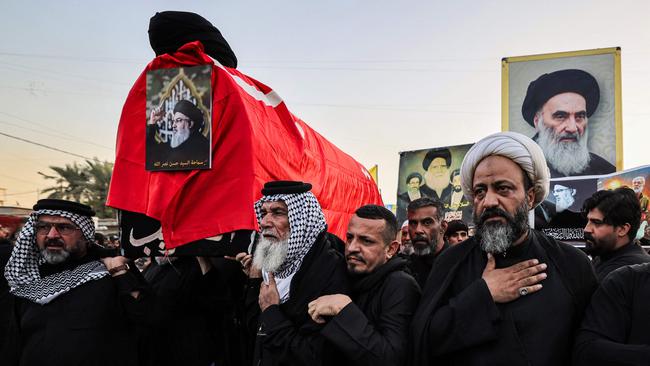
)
(568, 106)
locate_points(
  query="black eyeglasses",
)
(63, 229)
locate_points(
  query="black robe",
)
(615, 327)
(373, 329)
(92, 324)
(286, 334)
(182, 325)
(458, 322)
(420, 265)
(626, 255)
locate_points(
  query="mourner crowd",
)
(421, 294)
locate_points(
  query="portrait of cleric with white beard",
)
(558, 105)
(186, 148)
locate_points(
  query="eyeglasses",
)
(43, 228)
(180, 120)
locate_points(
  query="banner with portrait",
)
(433, 173)
(179, 104)
(570, 104)
(560, 214)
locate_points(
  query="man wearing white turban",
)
(509, 295)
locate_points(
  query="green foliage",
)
(86, 183)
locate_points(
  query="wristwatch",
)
(123, 267)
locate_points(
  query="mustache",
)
(419, 238)
(355, 256)
(588, 236)
(491, 212)
(574, 136)
(54, 241)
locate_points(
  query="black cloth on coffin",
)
(137, 226)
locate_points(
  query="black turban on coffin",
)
(558, 82)
(169, 30)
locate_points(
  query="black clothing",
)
(89, 325)
(628, 254)
(196, 147)
(458, 322)
(6, 298)
(615, 328)
(597, 165)
(169, 30)
(420, 265)
(183, 319)
(373, 329)
(445, 196)
(286, 334)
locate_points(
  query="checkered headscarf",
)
(22, 269)
(306, 221)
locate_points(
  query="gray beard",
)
(178, 137)
(497, 237)
(568, 158)
(270, 254)
(421, 251)
(55, 257)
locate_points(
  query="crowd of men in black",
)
(508, 295)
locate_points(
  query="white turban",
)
(516, 147)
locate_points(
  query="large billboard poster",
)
(570, 104)
(433, 173)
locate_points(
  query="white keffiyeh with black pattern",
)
(306, 221)
(22, 269)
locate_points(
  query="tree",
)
(87, 183)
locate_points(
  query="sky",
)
(373, 77)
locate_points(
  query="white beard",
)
(178, 137)
(563, 203)
(568, 158)
(270, 254)
(57, 257)
(438, 184)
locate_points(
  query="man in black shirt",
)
(509, 295)
(613, 219)
(426, 229)
(71, 307)
(370, 327)
(615, 328)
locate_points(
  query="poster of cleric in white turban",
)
(179, 102)
(560, 214)
(570, 104)
(433, 173)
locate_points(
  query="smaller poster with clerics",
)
(560, 215)
(433, 173)
(179, 118)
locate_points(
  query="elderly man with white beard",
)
(559, 105)
(187, 141)
(295, 262)
(509, 295)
